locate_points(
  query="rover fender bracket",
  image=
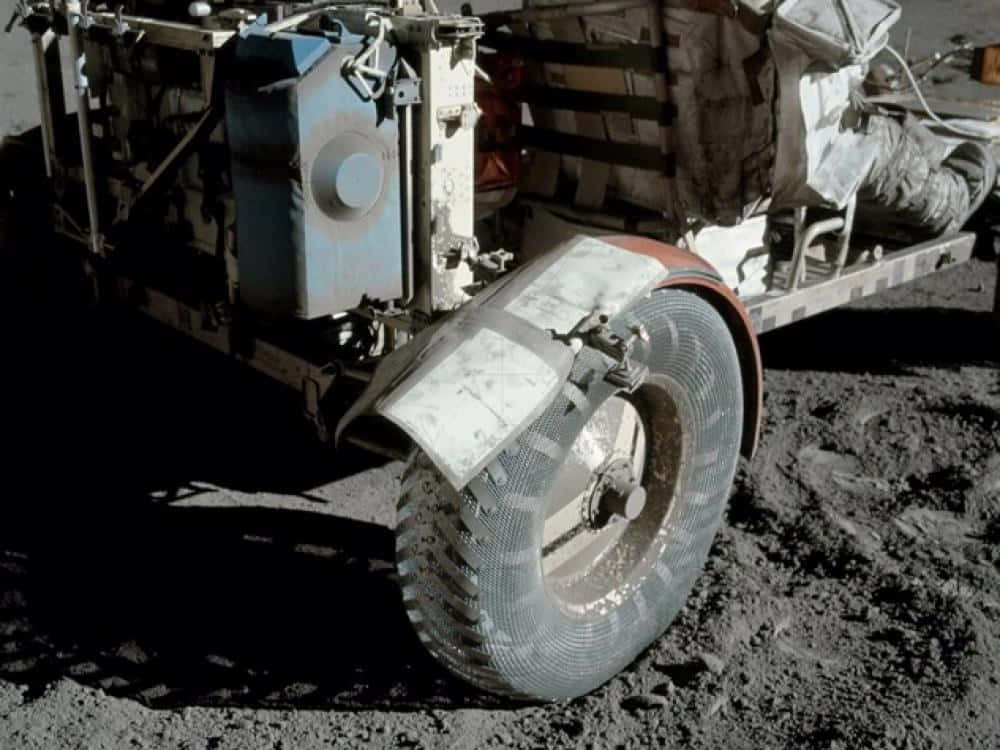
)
(466, 387)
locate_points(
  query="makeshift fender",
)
(466, 387)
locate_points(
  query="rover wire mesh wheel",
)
(575, 548)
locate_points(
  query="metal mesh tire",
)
(470, 561)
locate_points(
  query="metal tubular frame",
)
(809, 235)
(406, 165)
(40, 43)
(805, 234)
(82, 87)
(845, 236)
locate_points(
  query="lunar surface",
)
(183, 567)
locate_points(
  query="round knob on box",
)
(347, 177)
(358, 181)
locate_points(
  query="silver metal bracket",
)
(491, 266)
(405, 91)
(627, 374)
(464, 116)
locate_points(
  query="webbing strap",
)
(630, 56)
(597, 149)
(640, 107)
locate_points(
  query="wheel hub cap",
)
(617, 495)
(598, 491)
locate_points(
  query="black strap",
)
(629, 56)
(640, 107)
(597, 149)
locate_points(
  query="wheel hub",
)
(617, 495)
(604, 523)
(598, 493)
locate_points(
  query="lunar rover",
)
(331, 194)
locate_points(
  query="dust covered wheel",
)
(575, 548)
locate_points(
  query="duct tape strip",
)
(462, 409)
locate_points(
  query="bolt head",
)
(634, 503)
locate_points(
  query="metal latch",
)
(626, 374)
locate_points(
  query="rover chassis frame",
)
(314, 378)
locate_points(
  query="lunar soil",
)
(182, 567)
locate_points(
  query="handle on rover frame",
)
(805, 235)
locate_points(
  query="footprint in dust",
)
(822, 469)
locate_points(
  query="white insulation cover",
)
(821, 158)
(738, 253)
(838, 32)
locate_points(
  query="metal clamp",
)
(626, 373)
(406, 85)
